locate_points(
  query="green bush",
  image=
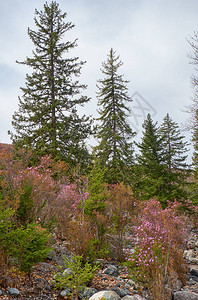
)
(24, 210)
(31, 246)
(77, 276)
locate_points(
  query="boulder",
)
(121, 291)
(184, 295)
(134, 297)
(108, 295)
(189, 255)
(13, 291)
(87, 293)
(111, 270)
(194, 272)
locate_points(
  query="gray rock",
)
(65, 293)
(108, 295)
(131, 282)
(87, 293)
(100, 274)
(194, 272)
(111, 270)
(183, 295)
(57, 254)
(13, 291)
(189, 255)
(134, 297)
(1, 293)
(194, 261)
(100, 261)
(177, 285)
(121, 292)
(67, 271)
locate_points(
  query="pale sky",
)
(149, 35)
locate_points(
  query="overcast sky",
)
(149, 35)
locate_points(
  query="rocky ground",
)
(109, 282)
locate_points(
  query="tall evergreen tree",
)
(47, 120)
(175, 155)
(114, 133)
(174, 146)
(150, 162)
(161, 167)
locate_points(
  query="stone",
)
(100, 261)
(1, 293)
(67, 271)
(121, 292)
(111, 270)
(134, 297)
(189, 255)
(177, 285)
(108, 295)
(194, 272)
(194, 260)
(87, 293)
(100, 274)
(13, 291)
(57, 254)
(65, 293)
(131, 282)
(184, 295)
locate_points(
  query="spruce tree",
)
(115, 151)
(175, 149)
(161, 170)
(150, 162)
(47, 120)
(174, 146)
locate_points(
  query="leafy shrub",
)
(159, 245)
(21, 246)
(25, 207)
(121, 211)
(31, 246)
(77, 276)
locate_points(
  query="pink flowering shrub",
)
(159, 243)
(68, 207)
(121, 205)
(43, 189)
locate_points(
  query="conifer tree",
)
(175, 149)
(115, 151)
(47, 120)
(150, 162)
(161, 168)
(174, 146)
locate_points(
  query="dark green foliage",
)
(95, 205)
(114, 152)
(150, 167)
(175, 149)
(6, 233)
(26, 246)
(174, 146)
(24, 210)
(30, 246)
(161, 168)
(47, 119)
(97, 194)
